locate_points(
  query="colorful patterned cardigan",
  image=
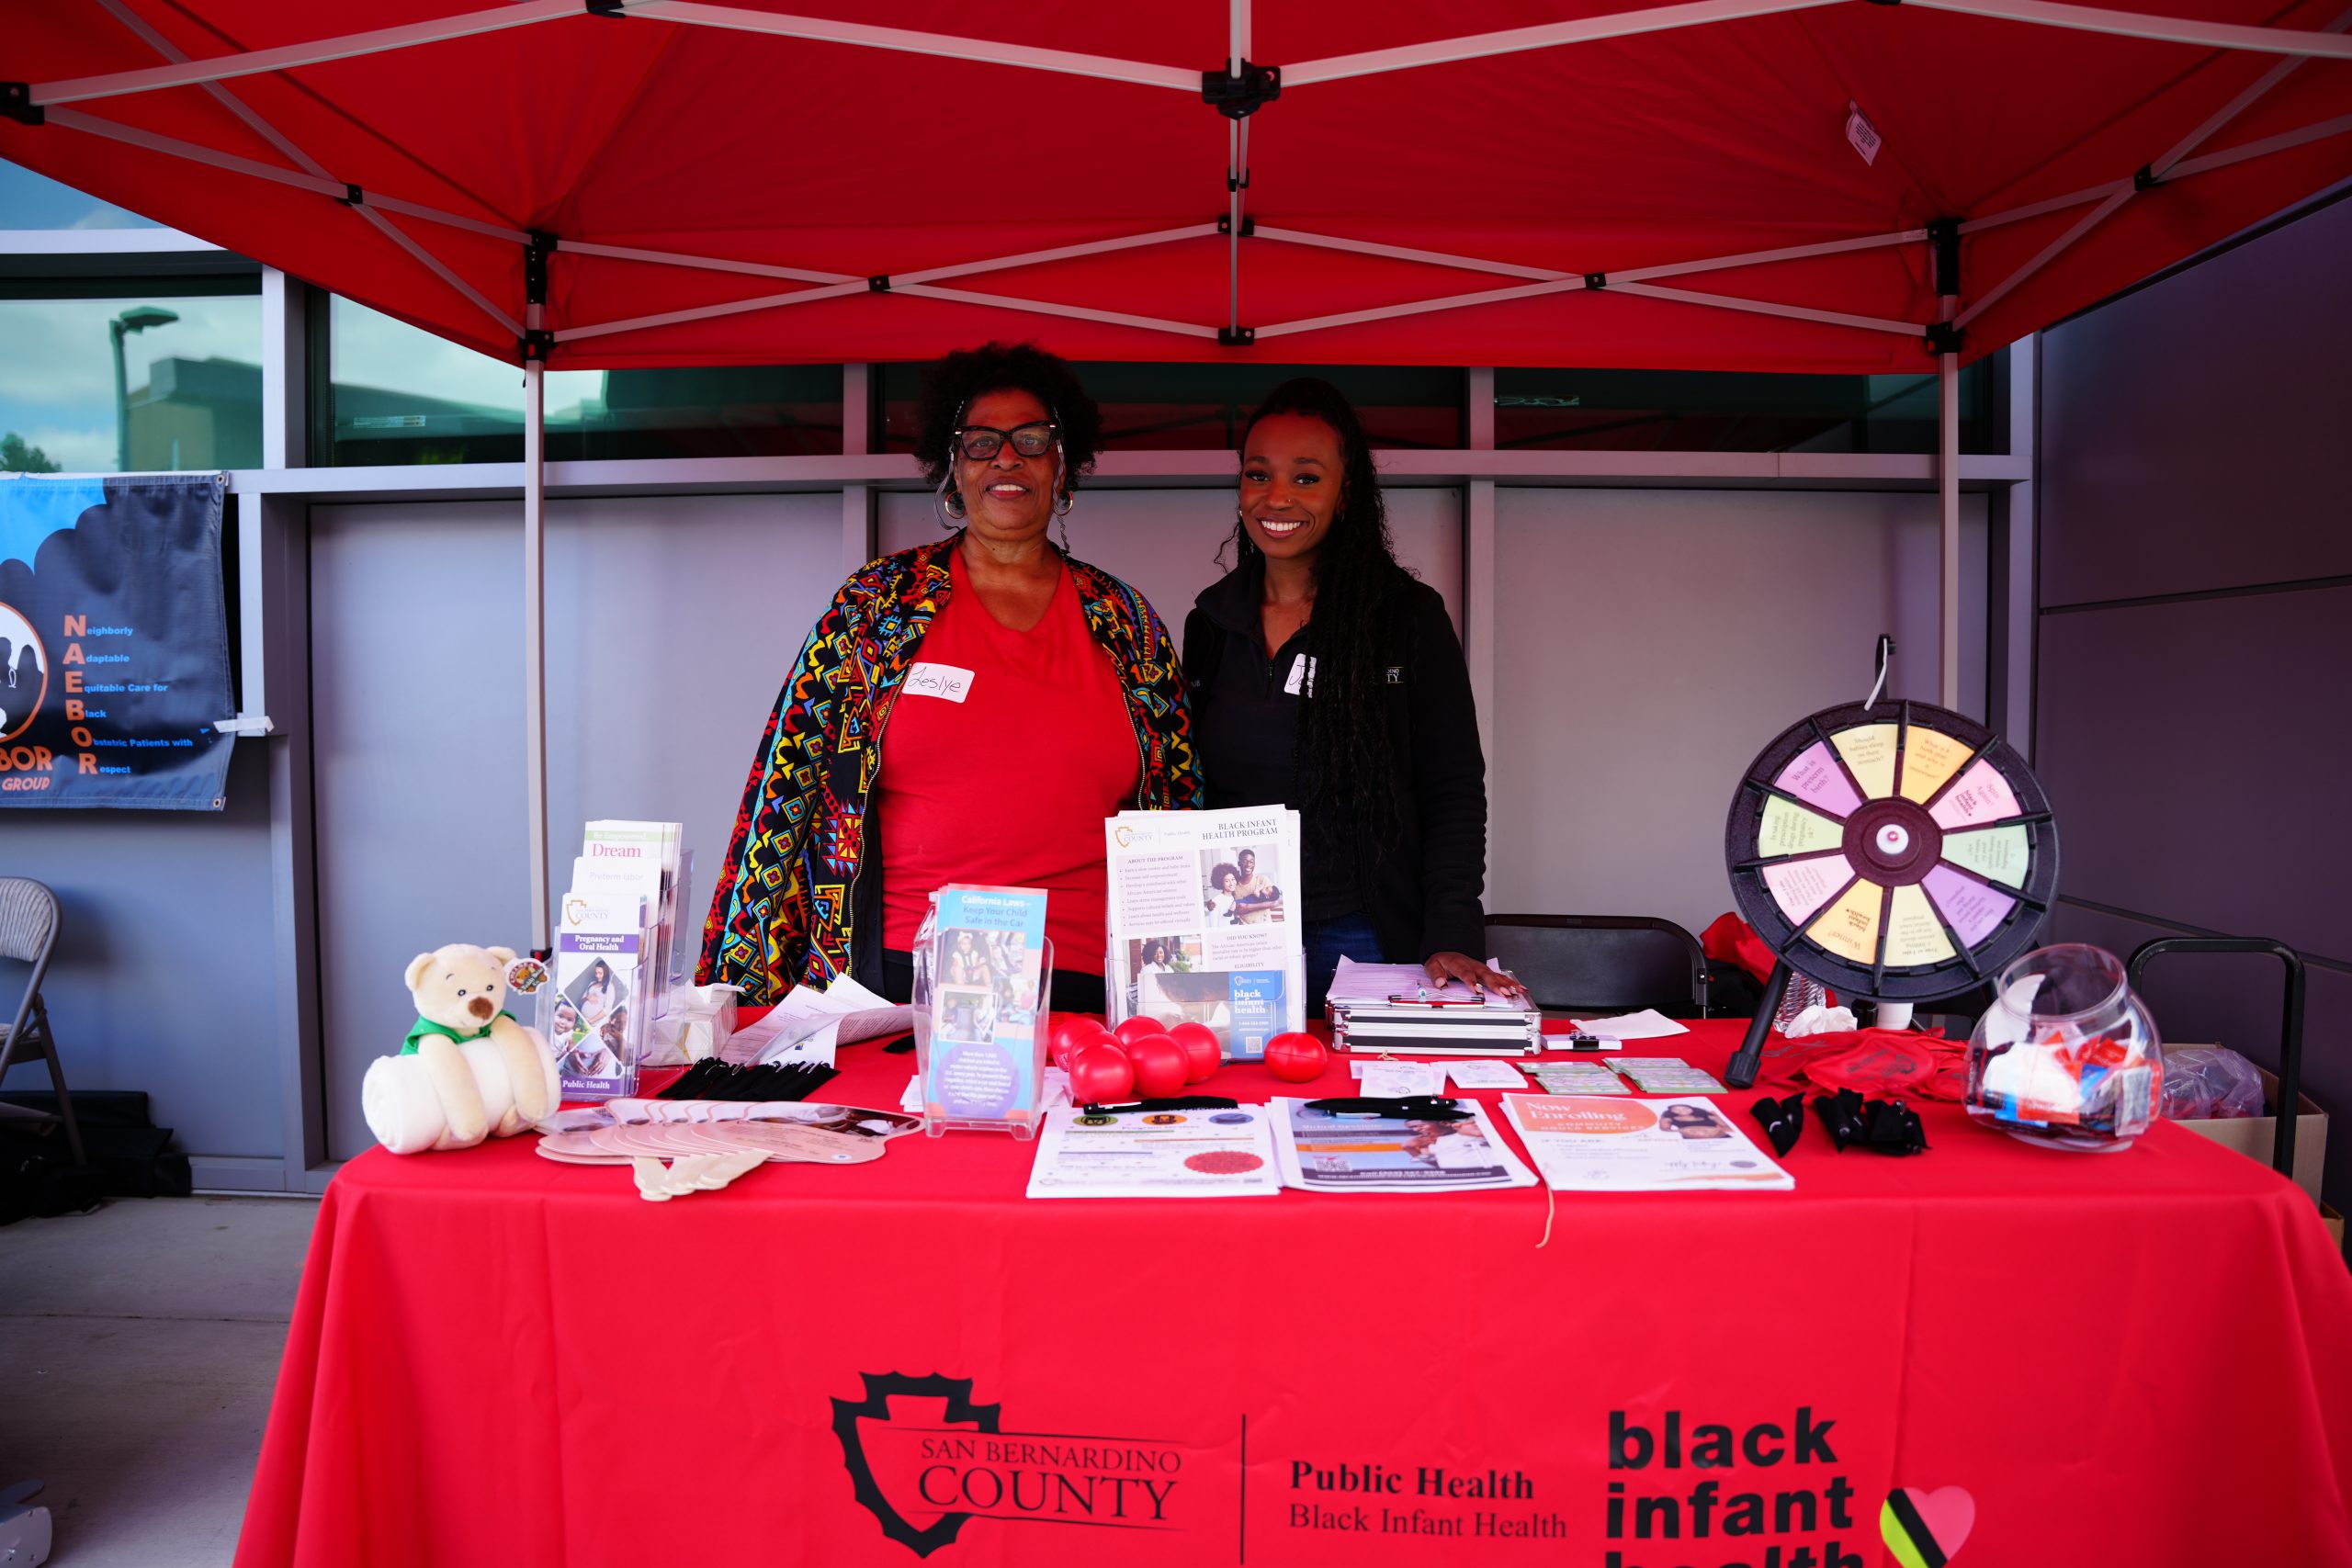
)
(789, 905)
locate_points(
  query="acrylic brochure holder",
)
(982, 998)
(592, 1015)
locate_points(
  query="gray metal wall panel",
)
(1164, 543)
(164, 916)
(2196, 759)
(2194, 749)
(2194, 433)
(1649, 643)
(670, 626)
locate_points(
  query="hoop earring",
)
(948, 503)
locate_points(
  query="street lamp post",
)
(138, 319)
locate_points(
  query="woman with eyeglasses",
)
(969, 710)
(1325, 677)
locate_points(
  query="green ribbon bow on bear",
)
(425, 1026)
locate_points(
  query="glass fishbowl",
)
(2066, 1056)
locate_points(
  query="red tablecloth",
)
(2133, 1358)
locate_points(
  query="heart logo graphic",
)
(1926, 1529)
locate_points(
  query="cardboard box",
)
(2253, 1135)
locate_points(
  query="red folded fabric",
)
(1733, 941)
(1876, 1063)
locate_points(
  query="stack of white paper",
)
(809, 1025)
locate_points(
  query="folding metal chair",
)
(29, 931)
(1592, 965)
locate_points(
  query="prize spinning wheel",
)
(1894, 851)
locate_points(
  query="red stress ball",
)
(1296, 1058)
(1074, 1033)
(1101, 1074)
(1160, 1067)
(1202, 1049)
(1138, 1028)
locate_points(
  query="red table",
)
(2134, 1358)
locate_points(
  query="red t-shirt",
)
(1009, 786)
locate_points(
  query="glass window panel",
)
(393, 393)
(1689, 411)
(1196, 406)
(29, 200)
(107, 382)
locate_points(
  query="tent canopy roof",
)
(1518, 183)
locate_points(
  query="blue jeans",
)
(1325, 942)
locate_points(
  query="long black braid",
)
(1343, 755)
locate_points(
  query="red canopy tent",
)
(1788, 184)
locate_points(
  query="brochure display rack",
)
(982, 986)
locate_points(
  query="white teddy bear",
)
(467, 1070)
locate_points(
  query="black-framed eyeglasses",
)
(981, 442)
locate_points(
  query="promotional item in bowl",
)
(2065, 1056)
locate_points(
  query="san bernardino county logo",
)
(925, 1461)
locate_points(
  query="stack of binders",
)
(1393, 1007)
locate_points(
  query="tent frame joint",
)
(1237, 337)
(606, 8)
(1942, 337)
(353, 196)
(1249, 224)
(879, 283)
(1943, 242)
(534, 346)
(1238, 95)
(541, 245)
(1596, 280)
(17, 104)
(2145, 177)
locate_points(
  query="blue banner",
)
(114, 643)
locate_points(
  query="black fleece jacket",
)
(1421, 885)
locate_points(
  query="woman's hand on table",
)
(1444, 967)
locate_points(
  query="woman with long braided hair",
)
(1325, 677)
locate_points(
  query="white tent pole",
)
(329, 187)
(1059, 252)
(1948, 521)
(1072, 313)
(1418, 307)
(253, 63)
(1768, 308)
(269, 134)
(1764, 258)
(1554, 275)
(704, 264)
(2166, 29)
(1407, 253)
(1546, 35)
(1233, 133)
(2264, 148)
(707, 312)
(534, 633)
(945, 45)
(434, 265)
(2152, 175)
(2048, 253)
(2054, 204)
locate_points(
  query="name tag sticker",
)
(1302, 676)
(939, 681)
